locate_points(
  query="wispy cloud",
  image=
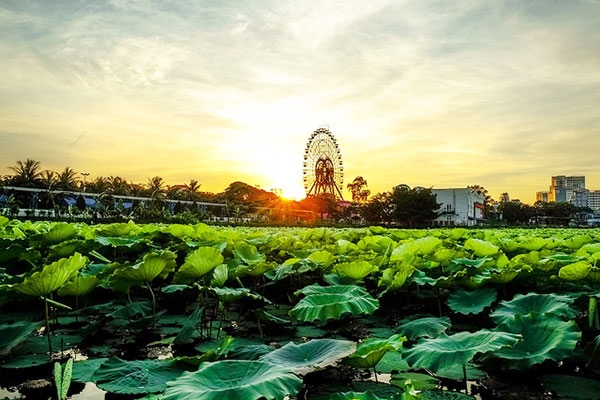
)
(428, 93)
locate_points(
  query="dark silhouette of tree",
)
(67, 179)
(26, 173)
(358, 189)
(414, 207)
(379, 209)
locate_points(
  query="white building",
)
(593, 199)
(460, 206)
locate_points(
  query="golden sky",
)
(502, 94)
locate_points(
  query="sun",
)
(290, 191)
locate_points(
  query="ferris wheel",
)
(323, 168)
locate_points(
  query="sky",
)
(502, 94)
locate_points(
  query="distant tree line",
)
(402, 206)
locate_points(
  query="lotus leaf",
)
(378, 244)
(417, 380)
(305, 357)
(136, 376)
(201, 261)
(371, 351)
(523, 305)
(465, 302)
(234, 380)
(332, 302)
(83, 371)
(155, 264)
(60, 232)
(322, 257)
(14, 334)
(79, 286)
(446, 351)
(439, 394)
(220, 276)
(544, 338)
(575, 272)
(356, 396)
(572, 387)
(356, 270)
(52, 276)
(418, 326)
(481, 248)
(117, 241)
(247, 253)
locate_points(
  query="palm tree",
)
(118, 186)
(68, 179)
(192, 189)
(98, 185)
(156, 187)
(48, 179)
(26, 173)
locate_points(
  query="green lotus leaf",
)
(523, 305)
(305, 357)
(371, 351)
(322, 257)
(445, 351)
(439, 394)
(533, 243)
(477, 263)
(395, 278)
(60, 232)
(52, 276)
(227, 294)
(544, 338)
(154, 264)
(417, 380)
(456, 372)
(575, 242)
(418, 326)
(83, 371)
(561, 258)
(234, 380)
(572, 387)
(377, 243)
(591, 248)
(247, 253)
(14, 334)
(201, 261)
(356, 270)
(136, 376)
(79, 286)
(116, 229)
(465, 302)
(426, 245)
(481, 248)
(356, 396)
(117, 241)
(575, 272)
(220, 276)
(332, 302)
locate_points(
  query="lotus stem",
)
(153, 305)
(48, 328)
(466, 381)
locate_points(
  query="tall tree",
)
(192, 189)
(358, 189)
(118, 186)
(67, 179)
(26, 173)
(97, 185)
(414, 207)
(156, 187)
(378, 209)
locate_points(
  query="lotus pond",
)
(124, 311)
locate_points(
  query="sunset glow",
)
(435, 94)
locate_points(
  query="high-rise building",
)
(562, 187)
(541, 196)
(593, 199)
